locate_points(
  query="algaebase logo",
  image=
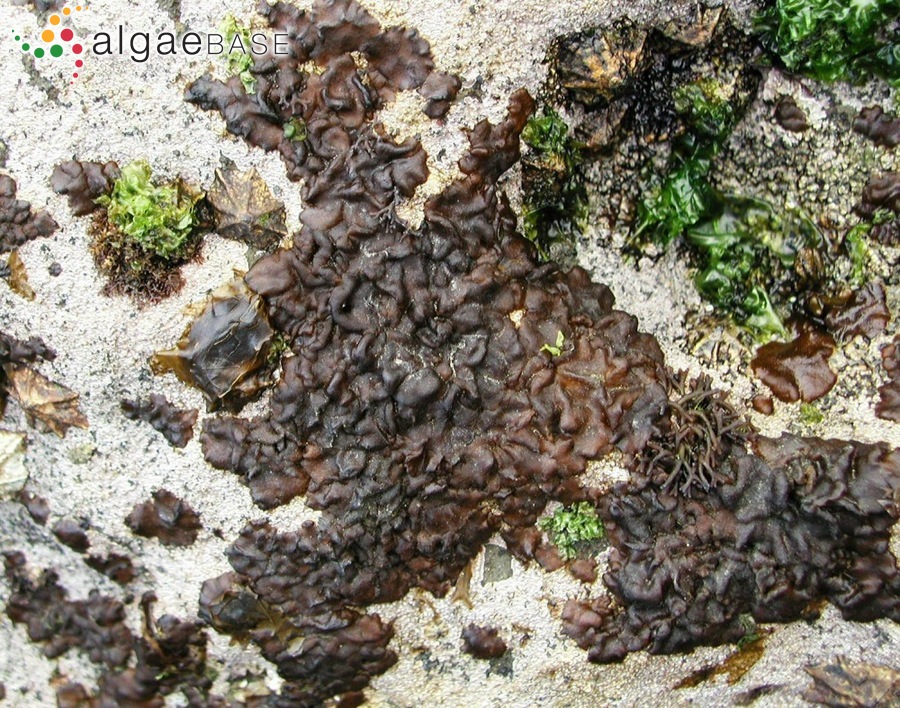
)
(57, 40)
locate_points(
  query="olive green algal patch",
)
(736, 243)
(555, 205)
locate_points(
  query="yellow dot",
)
(66, 11)
(54, 19)
(47, 35)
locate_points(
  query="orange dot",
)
(66, 11)
(47, 35)
(78, 7)
(54, 19)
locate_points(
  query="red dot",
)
(75, 75)
(66, 35)
(76, 48)
(79, 63)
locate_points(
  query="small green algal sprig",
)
(555, 349)
(810, 415)
(570, 526)
(295, 130)
(158, 218)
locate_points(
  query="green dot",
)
(56, 50)
(17, 38)
(26, 46)
(39, 52)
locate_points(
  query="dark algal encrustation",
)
(880, 204)
(169, 653)
(443, 386)
(176, 425)
(799, 521)
(888, 406)
(19, 223)
(167, 518)
(879, 127)
(419, 411)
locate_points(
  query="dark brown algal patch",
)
(797, 370)
(443, 386)
(865, 313)
(72, 533)
(881, 198)
(95, 625)
(889, 405)
(803, 519)
(440, 91)
(790, 116)
(584, 569)
(878, 126)
(176, 425)
(114, 566)
(763, 404)
(19, 224)
(83, 183)
(167, 518)
(169, 653)
(37, 507)
(420, 411)
(483, 642)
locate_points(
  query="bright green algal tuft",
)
(835, 39)
(741, 249)
(159, 218)
(238, 63)
(572, 525)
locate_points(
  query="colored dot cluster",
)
(49, 36)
